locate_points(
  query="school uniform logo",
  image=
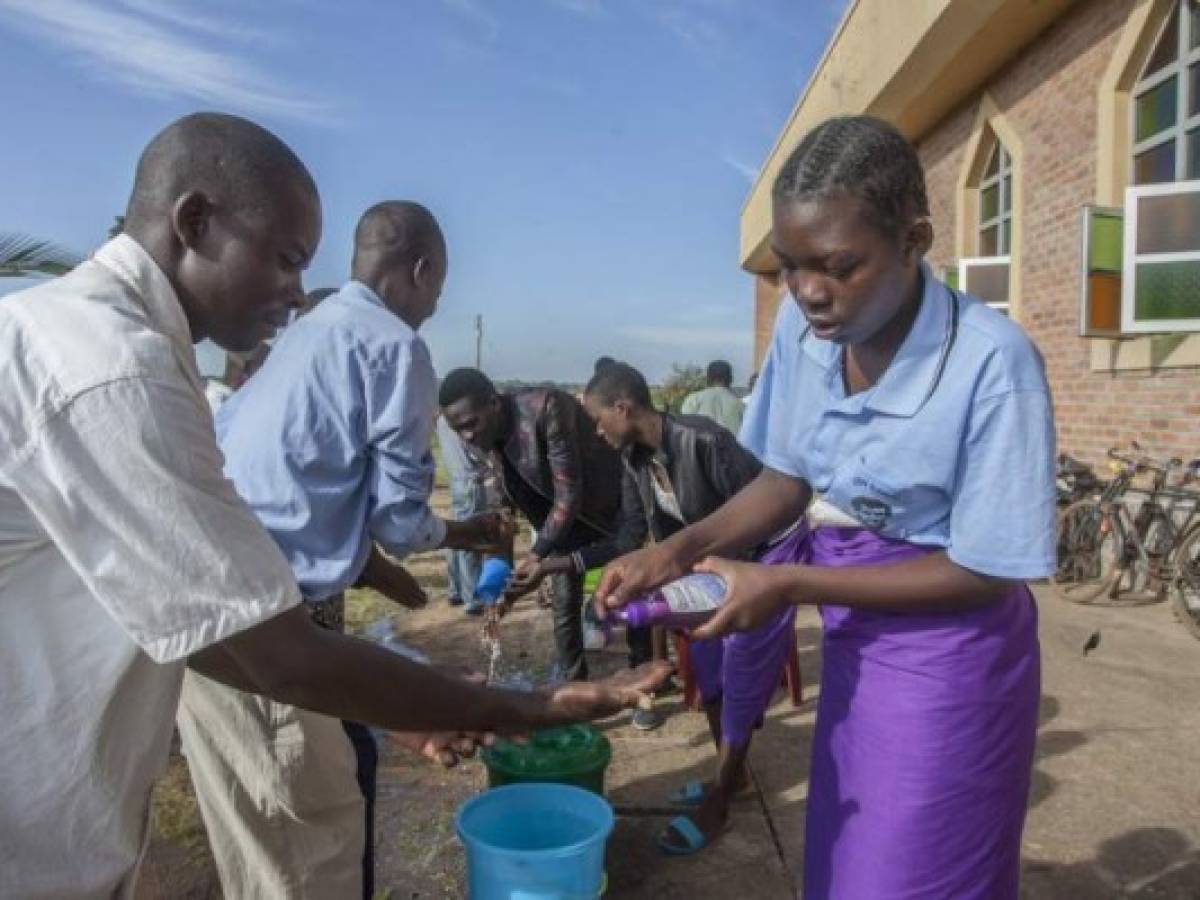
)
(871, 511)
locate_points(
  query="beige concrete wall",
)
(909, 61)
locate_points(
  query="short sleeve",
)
(766, 424)
(1002, 513)
(126, 480)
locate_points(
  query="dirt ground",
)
(1114, 810)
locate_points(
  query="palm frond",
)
(22, 255)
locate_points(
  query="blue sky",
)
(587, 158)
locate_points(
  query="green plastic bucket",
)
(574, 754)
(591, 581)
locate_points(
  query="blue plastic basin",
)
(535, 842)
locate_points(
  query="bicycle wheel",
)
(1139, 579)
(1087, 551)
(1185, 592)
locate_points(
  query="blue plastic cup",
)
(535, 842)
(493, 579)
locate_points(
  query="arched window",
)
(1166, 103)
(1160, 290)
(995, 204)
(987, 272)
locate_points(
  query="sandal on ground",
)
(693, 793)
(693, 838)
(646, 719)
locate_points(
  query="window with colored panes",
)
(1166, 103)
(1160, 265)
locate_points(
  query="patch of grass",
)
(176, 814)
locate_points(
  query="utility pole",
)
(479, 340)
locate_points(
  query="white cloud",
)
(696, 30)
(478, 15)
(161, 53)
(173, 13)
(588, 8)
(746, 171)
(691, 336)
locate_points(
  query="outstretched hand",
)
(529, 573)
(444, 747)
(582, 701)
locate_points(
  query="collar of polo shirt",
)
(913, 374)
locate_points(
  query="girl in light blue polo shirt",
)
(922, 421)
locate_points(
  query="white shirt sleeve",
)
(126, 481)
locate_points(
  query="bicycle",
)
(1074, 480)
(1185, 593)
(1107, 550)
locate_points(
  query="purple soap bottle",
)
(686, 603)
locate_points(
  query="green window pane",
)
(989, 203)
(1168, 224)
(1167, 291)
(1005, 237)
(950, 276)
(1193, 153)
(989, 241)
(1156, 165)
(1106, 243)
(1194, 89)
(1154, 111)
(1194, 15)
(1167, 49)
(1006, 195)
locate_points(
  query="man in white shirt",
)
(125, 553)
(717, 401)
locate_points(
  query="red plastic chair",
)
(790, 678)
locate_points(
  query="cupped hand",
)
(444, 747)
(753, 594)
(635, 574)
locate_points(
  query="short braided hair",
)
(861, 156)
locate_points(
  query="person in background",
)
(126, 553)
(329, 445)
(750, 383)
(717, 401)
(471, 493)
(913, 409)
(678, 470)
(555, 470)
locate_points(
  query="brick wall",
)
(1048, 95)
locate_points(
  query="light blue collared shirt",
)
(953, 447)
(328, 443)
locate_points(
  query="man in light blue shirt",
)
(472, 491)
(329, 445)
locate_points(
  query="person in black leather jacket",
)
(556, 470)
(678, 470)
